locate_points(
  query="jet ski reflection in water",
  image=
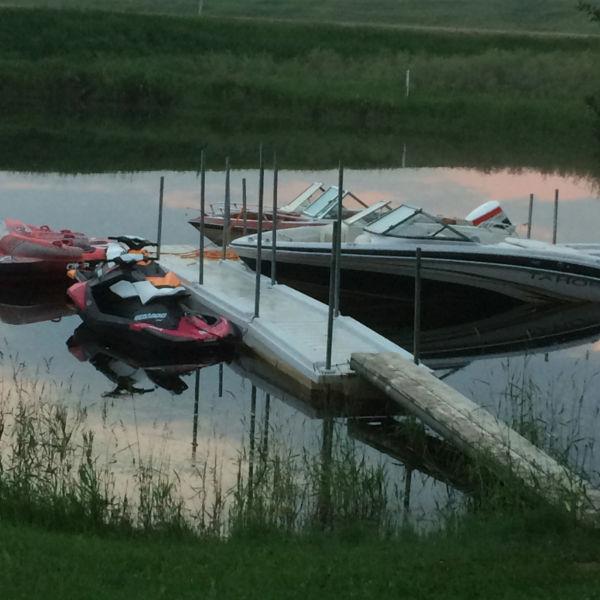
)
(133, 299)
(135, 370)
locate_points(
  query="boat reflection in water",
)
(23, 304)
(137, 370)
(502, 331)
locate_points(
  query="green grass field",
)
(179, 84)
(531, 15)
(515, 558)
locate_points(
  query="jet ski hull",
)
(156, 325)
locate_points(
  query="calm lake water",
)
(558, 370)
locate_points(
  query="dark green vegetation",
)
(528, 557)
(95, 91)
(535, 15)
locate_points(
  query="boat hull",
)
(385, 273)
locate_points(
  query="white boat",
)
(481, 251)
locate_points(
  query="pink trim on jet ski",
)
(77, 293)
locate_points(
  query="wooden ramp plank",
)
(475, 430)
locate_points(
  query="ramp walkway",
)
(476, 431)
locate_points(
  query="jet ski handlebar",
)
(131, 260)
(133, 242)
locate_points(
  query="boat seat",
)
(326, 233)
(363, 238)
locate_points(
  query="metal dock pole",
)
(417, 322)
(196, 403)
(202, 208)
(265, 436)
(252, 446)
(324, 493)
(220, 380)
(338, 242)
(331, 312)
(227, 215)
(529, 220)
(555, 222)
(259, 224)
(244, 208)
(274, 221)
(160, 215)
(407, 488)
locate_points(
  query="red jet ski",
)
(133, 299)
(28, 251)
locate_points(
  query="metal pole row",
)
(554, 217)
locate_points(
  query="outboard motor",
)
(490, 215)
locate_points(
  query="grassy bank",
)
(182, 81)
(550, 15)
(299, 524)
(515, 558)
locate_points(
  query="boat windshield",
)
(370, 214)
(409, 222)
(323, 204)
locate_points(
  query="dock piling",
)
(252, 446)
(407, 489)
(529, 219)
(265, 433)
(202, 210)
(244, 209)
(555, 220)
(324, 498)
(259, 225)
(227, 209)
(417, 318)
(274, 221)
(338, 241)
(195, 421)
(220, 380)
(160, 214)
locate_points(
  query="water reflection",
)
(536, 363)
(136, 370)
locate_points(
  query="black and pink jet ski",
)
(28, 251)
(134, 299)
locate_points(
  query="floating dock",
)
(290, 337)
(291, 332)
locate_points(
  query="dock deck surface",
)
(291, 331)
